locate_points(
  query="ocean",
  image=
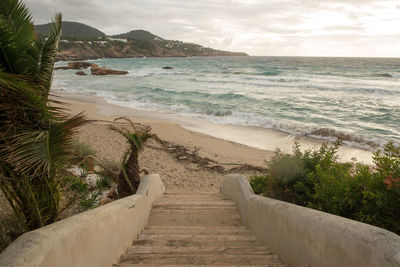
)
(354, 99)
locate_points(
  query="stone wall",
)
(94, 238)
(307, 237)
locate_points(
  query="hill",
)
(80, 42)
(73, 31)
(138, 34)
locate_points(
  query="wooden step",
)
(197, 243)
(197, 248)
(205, 259)
(194, 219)
(193, 207)
(197, 237)
(194, 196)
(195, 265)
(196, 228)
(199, 231)
(202, 202)
(196, 212)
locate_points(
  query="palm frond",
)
(48, 53)
(42, 150)
(16, 35)
(21, 104)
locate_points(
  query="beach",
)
(198, 153)
(178, 175)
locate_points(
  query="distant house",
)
(117, 39)
(101, 42)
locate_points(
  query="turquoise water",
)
(356, 99)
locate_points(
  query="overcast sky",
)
(258, 27)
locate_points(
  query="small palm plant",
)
(129, 177)
(34, 137)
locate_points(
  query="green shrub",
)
(291, 177)
(259, 184)
(104, 183)
(317, 179)
(77, 196)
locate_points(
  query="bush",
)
(259, 184)
(317, 180)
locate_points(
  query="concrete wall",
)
(307, 237)
(94, 238)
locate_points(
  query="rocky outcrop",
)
(77, 65)
(105, 71)
(109, 49)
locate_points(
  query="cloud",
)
(258, 27)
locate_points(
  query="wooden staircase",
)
(196, 229)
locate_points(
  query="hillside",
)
(80, 42)
(138, 34)
(73, 31)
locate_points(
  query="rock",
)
(167, 68)
(105, 71)
(76, 66)
(91, 179)
(112, 194)
(62, 68)
(81, 73)
(105, 200)
(76, 171)
(97, 168)
(80, 65)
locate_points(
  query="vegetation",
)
(138, 35)
(129, 177)
(73, 31)
(34, 136)
(316, 179)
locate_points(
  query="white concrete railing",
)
(307, 237)
(94, 238)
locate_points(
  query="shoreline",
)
(252, 145)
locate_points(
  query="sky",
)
(359, 28)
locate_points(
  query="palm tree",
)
(129, 177)
(34, 137)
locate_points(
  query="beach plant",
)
(34, 135)
(129, 177)
(316, 179)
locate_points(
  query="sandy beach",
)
(198, 153)
(199, 168)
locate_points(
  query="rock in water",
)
(105, 71)
(81, 73)
(81, 65)
(167, 68)
(76, 66)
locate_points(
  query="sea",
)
(356, 100)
